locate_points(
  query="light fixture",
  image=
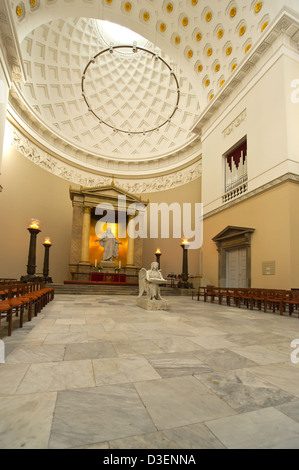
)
(184, 283)
(134, 48)
(34, 229)
(47, 244)
(158, 256)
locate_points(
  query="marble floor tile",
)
(66, 337)
(284, 376)
(141, 347)
(110, 325)
(243, 391)
(90, 350)
(97, 445)
(52, 376)
(259, 354)
(37, 337)
(212, 342)
(284, 349)
(91, 416)
(224, 359)
(177, 364)
(194, 436)
(130, 378)
(262, 429)
(36, 353)
(171, 344)
(96, 334)
(93, 320)
(263, 338)
(180, 401)
(11, 376)
(122, 370)
(46, 329)
(70, 321)
(290, 409)
(26, 421)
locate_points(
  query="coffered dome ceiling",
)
(128, 110)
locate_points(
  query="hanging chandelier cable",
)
(134, 48)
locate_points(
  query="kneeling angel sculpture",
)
(149, 281)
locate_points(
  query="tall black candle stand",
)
(47, 246)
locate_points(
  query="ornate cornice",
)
(11, 57)
(286, 178)
(87, 179)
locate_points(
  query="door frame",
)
(232, 238)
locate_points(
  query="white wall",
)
(4, 90)
(270, 126)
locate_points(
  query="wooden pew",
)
(223, 293)
(263, 299)
(16, 297)
(198, 293)
(212, 292)
(290, 300)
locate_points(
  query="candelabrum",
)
(47, 244)
(33, 229)
(158, 256)
(184, 283)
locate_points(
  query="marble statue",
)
(149, 283)
(110, 244)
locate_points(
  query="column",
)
(85, 236)
(131, 241)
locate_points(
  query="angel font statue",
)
(149, 282)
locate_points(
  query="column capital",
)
(87, 209)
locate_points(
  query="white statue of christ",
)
(110, 244)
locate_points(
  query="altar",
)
(108, 278)
(86, 251)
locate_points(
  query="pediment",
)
(109, 193)
(231, 231)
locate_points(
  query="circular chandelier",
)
(134, 49)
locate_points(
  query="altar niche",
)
(86, 252)
(96, 251)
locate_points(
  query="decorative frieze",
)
(88, 179)
(236, 123)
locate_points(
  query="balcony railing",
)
(235, 192)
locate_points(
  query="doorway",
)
(236, 269)
(234, 248)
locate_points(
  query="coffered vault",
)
(203, 44)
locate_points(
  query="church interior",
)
(138, 135)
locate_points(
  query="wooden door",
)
(236, 268)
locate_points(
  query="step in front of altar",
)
(86, 288)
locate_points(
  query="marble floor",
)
(91, 372)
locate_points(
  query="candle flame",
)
(34, 223)
(47, 241)
(185, 242)
(158, 251)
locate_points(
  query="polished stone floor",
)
(95, 372)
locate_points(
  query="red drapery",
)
(236, 155)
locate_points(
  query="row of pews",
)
(17, 297)
(283, 301)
